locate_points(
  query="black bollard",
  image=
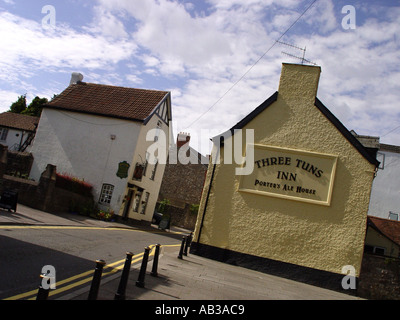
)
(142, 273)
(94, 287)
(187, 244)
(180, 256)
(120, 295)
(43, 293)
(154, 272)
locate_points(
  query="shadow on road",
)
(22, 263)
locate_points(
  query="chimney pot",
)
(76, 77)
(182, 139)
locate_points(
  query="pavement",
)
(190, 278)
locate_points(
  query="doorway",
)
(128, 204)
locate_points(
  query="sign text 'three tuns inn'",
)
(290, 174)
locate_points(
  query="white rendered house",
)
(98, 133)
(385, 194)
(17, 130)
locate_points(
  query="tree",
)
(35, 107)
(19, 105)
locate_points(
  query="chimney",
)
(76, 77)
(299, 82)
(182, 139)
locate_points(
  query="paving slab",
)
(199, 278)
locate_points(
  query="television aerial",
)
(302, 59)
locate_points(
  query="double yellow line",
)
(87, 276)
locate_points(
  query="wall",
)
(386, 185)
(380, 278)
(181, 217)
(291, 232)
(375, 238)
(81, 145)
(14, 139)
(149, 185)
(19, 163)
(182, 185)
(43, 195)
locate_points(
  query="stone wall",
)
(182, 186)
(42, 195)
(379, 278)
(181, 217)
(19, 163)
(183, 183)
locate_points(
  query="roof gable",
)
(346, 133)
(335, 121)
(18, 121)
(110, 101)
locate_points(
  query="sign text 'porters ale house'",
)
(291, 174)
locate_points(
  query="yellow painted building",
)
(302, 210)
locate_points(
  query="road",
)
(71, 250)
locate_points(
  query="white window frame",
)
(153, 172)
(136, 201)
(106, 193)
(144, 203)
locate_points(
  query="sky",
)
(218, 58)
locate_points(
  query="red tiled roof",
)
(111, 101)
(18, 121)
(389, 228)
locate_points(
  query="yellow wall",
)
(306, 234)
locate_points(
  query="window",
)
(136, 201)
(379, 250)
(144, 203)
(106, 193)
(138, 172)
(153, 173)
(393, 216)
(374, 249)
(3, 134)
(146, 163)
(159, 124)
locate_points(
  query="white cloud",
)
(359, 78)
(322, 16)
(7, 98)
(134, 79)
(208, 46)
(27, 47)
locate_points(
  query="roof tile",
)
(111, 101)
(18, 121)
